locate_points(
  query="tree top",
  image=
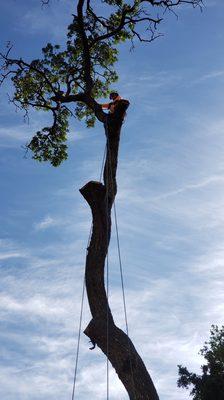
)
(68, 79)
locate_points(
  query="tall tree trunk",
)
(102, 330)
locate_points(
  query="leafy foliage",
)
(83, 69)
(49, 144)
(209, 385)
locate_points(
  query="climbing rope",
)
(78, 341)
(103, 162)
(123, 295)
(119, 257)
(83, 296)
(108, 171)
(80, 324)
(107, 268)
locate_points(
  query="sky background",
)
(170, 206)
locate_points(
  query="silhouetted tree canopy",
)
(210, 384)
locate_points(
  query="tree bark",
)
(102, 330)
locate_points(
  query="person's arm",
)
(105, 106)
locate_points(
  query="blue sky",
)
(170, 209)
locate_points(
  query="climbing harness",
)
(107, 152)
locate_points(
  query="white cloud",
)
(45, 223)
(52, 19)
(193, 186)
(212, 75)
(17, 133)
(175, 311)
(5, 256)
(41, 306)
(9, 249)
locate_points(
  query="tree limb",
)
(86, 50)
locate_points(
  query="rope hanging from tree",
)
(119, 256)
(108, 172)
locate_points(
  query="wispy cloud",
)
(45, 223)
(18, 133)
(5, 256)
(14, 132)
(188, 187)
(52, 19)
(175, 310)
(9, 249)
(177, 336)
(212, 75)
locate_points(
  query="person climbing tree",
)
(67, 83)
(114, 96)
(116, 106)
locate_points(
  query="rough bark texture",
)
(119, 348)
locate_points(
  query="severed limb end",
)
(93, 345)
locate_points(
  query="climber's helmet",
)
(113, 95)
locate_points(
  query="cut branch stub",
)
(94, 193)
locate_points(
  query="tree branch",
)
(86, 49)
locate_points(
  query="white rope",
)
(120, 263)
(82, 300)
(107, 265)
(109, 166)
